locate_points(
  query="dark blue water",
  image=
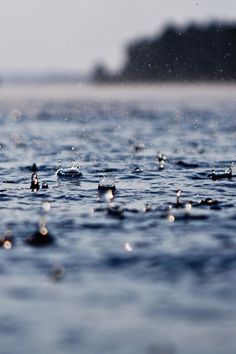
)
(146, 279)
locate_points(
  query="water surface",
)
(143, 283)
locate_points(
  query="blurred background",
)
(76, 40)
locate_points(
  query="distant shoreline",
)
(89, 83)
(31, 93)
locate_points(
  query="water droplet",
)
(7, 245)
(46, 207)
(128, 247)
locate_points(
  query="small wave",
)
(187, 164)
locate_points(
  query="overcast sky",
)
(72, 35)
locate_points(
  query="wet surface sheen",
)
(148, 280)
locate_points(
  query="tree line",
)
(193, 53)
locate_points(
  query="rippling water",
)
(156, 282)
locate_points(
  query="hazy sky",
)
(44, 35)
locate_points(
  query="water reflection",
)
(41, 237)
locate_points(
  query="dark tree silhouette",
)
(100, 73)
(181, 54)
